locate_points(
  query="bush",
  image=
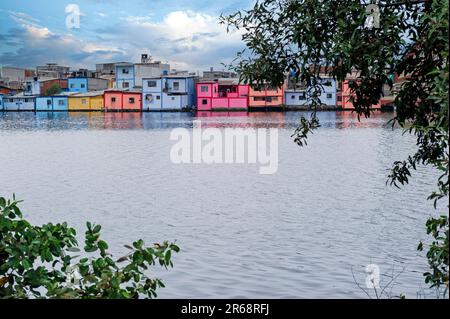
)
(39, 262)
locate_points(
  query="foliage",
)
(311, 39)
(39, 262)
(53, 90)
(438, 253)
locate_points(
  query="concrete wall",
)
(96, 84)
(142, 71)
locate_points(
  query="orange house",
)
(121, 100)
(266, 96)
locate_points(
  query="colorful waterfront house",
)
(301, 97)
(170, 93)
(85, 84)
(123, 100)
(19, 102)
(296, 98)
(52, 103)
(1, 101)
(90, 101)
(125, 75)
(264, 96)
(346, 96)
(225, 96)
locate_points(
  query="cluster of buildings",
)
(153, 86)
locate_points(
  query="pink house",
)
(215, 96)
(118, 100)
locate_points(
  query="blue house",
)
(168, 93)
(79, 85)
(1, 102)
(125, 75)
(84, 84)
(300, 97)
(52, 103)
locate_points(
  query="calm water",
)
(295, 234)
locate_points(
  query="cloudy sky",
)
(185, 33)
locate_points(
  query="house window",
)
(158, 97)
(149, 98)
(61, 103)
(204, 101)
(131, 100)
(204, 88)
(301, 97)
(113, 100)
(329, 95)
(49, 102)
(83, 85)
(151, 84)
(173, 99)
(125, 71)
(28, 100)
(292, 97)
(176, 85)
(126, 84)
(339, 98)
(72, 85)
(83, 101)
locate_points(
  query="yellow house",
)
(91, 101)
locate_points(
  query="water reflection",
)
(168, 120)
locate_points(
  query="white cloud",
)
(186, 39)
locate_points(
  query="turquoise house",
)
(125, 75)
(79, 85)
(52, 103)
(84, 85)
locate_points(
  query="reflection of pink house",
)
(121, 100)
(215, 96)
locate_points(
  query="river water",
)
(307, 231)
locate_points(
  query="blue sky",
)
(183, 33)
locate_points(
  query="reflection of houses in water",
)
(122, 120)
(350, 120)
(241, 119)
